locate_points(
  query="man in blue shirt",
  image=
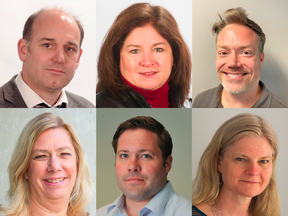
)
(143, 159)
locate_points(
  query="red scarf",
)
(156, 98)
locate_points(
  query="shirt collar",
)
(156, 204)
(31, 98)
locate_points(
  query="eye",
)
(65, 154)
(123, 155)
(222, 53)
(158, 49)
(240, 159)
(47, 45)
(70, 49)
(264, 161)
(40, 157)
(246, 52)
(134, 51)
(145, 156)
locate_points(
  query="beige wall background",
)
(178, 124)
(12, 121)
(205, 122)
(271, 16)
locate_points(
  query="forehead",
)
(138, 139)
(53, 138)
(55, 23)
(254, 146)
(146, 33)
(237, 34)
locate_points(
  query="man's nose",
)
(59, 56)
(134, 165)
(234, 61)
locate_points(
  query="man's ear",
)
(80, 53)
(22, 49)
(262, 58)
(168, 163)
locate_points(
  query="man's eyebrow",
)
(47, 39)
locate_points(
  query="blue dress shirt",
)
(165, 203)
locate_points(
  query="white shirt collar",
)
(31, 98)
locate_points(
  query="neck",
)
(54, 208)
(133, 207)
(243, 100)
(50, 96)
(233, 205)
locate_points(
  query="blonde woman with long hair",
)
(48, 171)
(236, 173)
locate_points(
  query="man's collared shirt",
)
(212, 99)
(165, 203)
(31, 98)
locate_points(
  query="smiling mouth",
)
(148, 73)
(54, 180)
(235, 74)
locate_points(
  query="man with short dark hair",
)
(240, 45)
(50, 50)
(143, 160)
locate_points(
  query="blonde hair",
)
(19, 191)
(205, 186)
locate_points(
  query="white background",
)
(107, 11)
(13, 17)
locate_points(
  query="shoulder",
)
(123, 99)
(197, 212)
(103, 211)
(179, 205)
(10, 97)
(269, 100)
(76, 101)
(203, 99)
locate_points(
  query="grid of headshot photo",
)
(143, 108)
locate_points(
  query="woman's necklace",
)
(216, 209)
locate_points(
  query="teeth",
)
(54, 180)
(148, 73)
(234, 75)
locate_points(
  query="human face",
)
(238, 61)
(140, 173)
(246, 167)
(146, 58)
(53, 166)
(53, 53)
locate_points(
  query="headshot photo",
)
(145, 159)
(144, 54)
(238, 164)
(52, 66)
(48, 162)
(241, 59)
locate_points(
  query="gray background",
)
(12, 121)
(271, 16)
(14, 15)
(106, 12)
(205, 122)
(178, 124)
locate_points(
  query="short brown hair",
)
(150, 124)
(28, 27)
(239, 16)
(138, 15)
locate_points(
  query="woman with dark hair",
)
(144, 61)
